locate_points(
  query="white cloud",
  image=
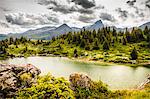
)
(27, 14)
(28, 19)
(6, 28)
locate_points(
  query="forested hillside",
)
(106, 44)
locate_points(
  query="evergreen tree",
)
(11, 40)
(134, 54)
(87, 47)
(128, 36)
(124, 41)
(105, 45)
(75, 53)
(82, 44)
(95, 46)
(146, 30)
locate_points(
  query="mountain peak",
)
(64, 25)
(99, 22)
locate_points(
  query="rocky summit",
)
(15, 77)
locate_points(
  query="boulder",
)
(15, 77)
(80, 80)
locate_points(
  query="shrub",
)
(47, 87)
(26, 79)
(97, 90)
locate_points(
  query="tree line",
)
(105, 38)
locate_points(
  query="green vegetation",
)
(59, 88)
(47, 87)
(105, 45)
(134, 54)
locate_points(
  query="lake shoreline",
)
(87, 60)
(97, 70)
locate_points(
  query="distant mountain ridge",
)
(3, 36)
(144, 25)
(97, 25)
(46, 33)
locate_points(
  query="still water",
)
(116, 76)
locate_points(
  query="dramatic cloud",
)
(26, 19)
(66, 10)
(138, 11)
(86, 18)
(26, 14)
(4, 24)
(71, 6)
(147, 4)
(99, 7)
(62, 8)
(5, 9)
(123, 13)
(84, 11)
(85, 3)
(107, 17)
(47, 2)
(6, 28)
(131, 3)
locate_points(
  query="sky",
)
(17, 16)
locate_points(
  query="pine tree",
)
(11, 40)
(75, 53)
(87, 47)
(134, 54)
(82, 44)
(95, 46)
(124, 41)
(146, 30)
(105, 45)
(128, 36)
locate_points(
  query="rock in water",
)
(15, 77)
(80, 80)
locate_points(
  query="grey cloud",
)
(131, 3)
(65, 9)
(85, 11)
(123, 13)
(85, 3)
(148, 1)
(86, 19)
(5, 9)
(108, 17)
(99, 7)
(47, 2)
(62, 9)
(147, 4)
(4, 24)
(138, 11)
(56, 6)
(25, 19)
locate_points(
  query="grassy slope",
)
(59, 47)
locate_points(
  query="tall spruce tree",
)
(105, 45)
(134, 54)
(82, 44)
(124, 40)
